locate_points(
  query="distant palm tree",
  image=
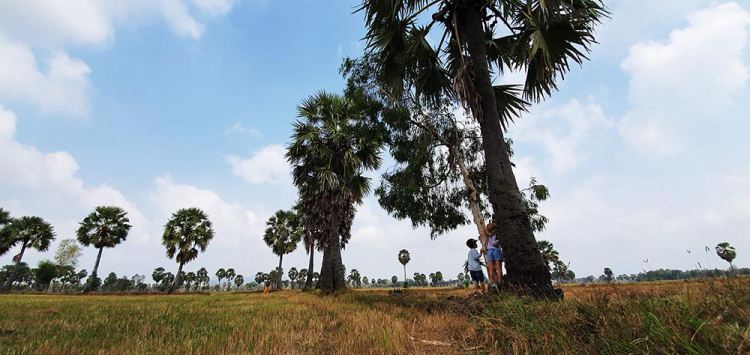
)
(230, 276)
(549, 254)
(282, 235)
(404, 258)
(726, 252)
(190, 278)
(106, 227)
(220, 274)
(187, 232)
(31, 232)
(238, 281)
(293, 274)
(202, 277)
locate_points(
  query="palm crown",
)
(331, 148)
(538, 37)
(106, 227)
(283, 232)
(403, 257)
(32, 232)
(187, 232)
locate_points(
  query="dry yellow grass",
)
(677, 317)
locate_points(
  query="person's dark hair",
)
(471, 243)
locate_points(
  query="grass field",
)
(706, 317)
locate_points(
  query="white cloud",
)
(214, 7)
(239, 128)
(693, 78)
(566, 132)
(49, 179)
(61, 86)
(92, 22)
(266, 166)
(177, 16)
(232, 222)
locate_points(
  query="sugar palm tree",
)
(332, 146)
(549, 254)
(30, 232)
(404, 258)
(220, 274)
(538, 37)
(106, 227)
(230, 276)
(202, 277)
(238, 281)
(186, 234)
(726, 252)
(282, 235)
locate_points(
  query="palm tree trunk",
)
(278, 282)
(92, 278)
(308, 282)
(9, 283)
(332, 277)
(404, 274)
(523, 261)
(177, 279)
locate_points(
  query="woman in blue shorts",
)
(494, 255)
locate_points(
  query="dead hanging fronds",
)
(463, 84)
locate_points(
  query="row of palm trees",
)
(187, 233)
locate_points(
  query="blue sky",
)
(158, 105)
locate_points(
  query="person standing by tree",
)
(475, 267)
(494, 256)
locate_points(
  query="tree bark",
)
(9, 283)
(332, 273)
(278, 282)
(177, 279)
(90, 282)
(308, 281)
(523, 261)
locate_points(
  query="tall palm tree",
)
(202, 277)
(404, 258)
(238, 281)
(187, 232)
(313, 233)
(548, 252)
(30, 232)
(331, 148)
(282, 235)
(538, 37)
(220, 274)
(230, 276)
(106, 227)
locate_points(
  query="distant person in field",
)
(266, 286)
(494, 255)
(475, 268)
